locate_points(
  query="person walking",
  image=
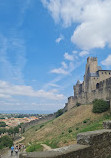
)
(12, 149)
(16, 150)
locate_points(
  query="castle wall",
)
(102, 91)
(103, 75)
(30, 124)
(71, 102)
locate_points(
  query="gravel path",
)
(46, 147)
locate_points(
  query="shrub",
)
(34, 147)
(41, 126)
(77, 128)
(70, 130)
(85, 121)
(59, 113)
(100, 106)
(78, 104)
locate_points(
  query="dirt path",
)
(19, 140)
(46, 147)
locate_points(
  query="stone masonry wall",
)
(30, 124)
(103, 91)
(94, 144)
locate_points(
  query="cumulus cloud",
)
(91, 17)
(9, 90)
(59, 39)
(83, 53)
(107, 61)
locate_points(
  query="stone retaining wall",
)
(30, 124)
(94, 144)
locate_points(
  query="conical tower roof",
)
(78, 82)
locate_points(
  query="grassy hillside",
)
(63, 130)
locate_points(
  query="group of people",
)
(17, 148)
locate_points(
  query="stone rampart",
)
(94, 144)
(30, 124)
(102, 91)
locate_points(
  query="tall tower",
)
(91, 68)
(92, 65)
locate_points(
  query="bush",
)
(34, 147)
(77, 128)
(59, 113)
(85, 121)
(78, 104)
(70, 130)
(41, 126)
(100, 106)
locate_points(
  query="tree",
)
(16, 130)
(2, 124)
(5, 141)
(3, 130)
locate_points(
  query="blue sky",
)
(44, 45)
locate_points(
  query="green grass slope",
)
(63, 130)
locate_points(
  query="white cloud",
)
(59, 71)
(53, 85)
(74, 52)
(107, 61)
(91, 16)
(68, 57)
(9, 90)
(64, 65)
(14, 67)
(83, 53)
(67, 68)
(59, 39)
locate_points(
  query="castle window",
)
(109, 73)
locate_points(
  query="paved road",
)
(8, 155)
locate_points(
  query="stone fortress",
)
(92, 144)
(96, 85)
